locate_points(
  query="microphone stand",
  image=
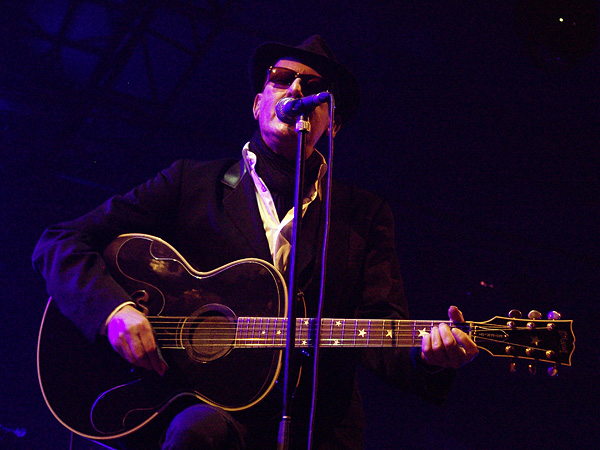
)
(283, 441)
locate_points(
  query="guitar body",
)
(96, 394)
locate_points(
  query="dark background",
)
(484, 141)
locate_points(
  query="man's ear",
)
(256, 106)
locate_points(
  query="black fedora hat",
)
(313, 52)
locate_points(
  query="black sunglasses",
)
(283, 78)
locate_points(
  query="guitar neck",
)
(544, 340)
(255, 332)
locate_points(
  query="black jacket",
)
(208, 211)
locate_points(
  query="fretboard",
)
(257, 332)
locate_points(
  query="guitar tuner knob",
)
(553, 371)
(554, 315)
(534, 315)
(513, 367)
(532, 369)
(515, 314)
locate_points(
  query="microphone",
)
(288, 109)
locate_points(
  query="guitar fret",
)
(271, 336)
(274, 332)
(311, 331)
(360, 333)
(330, 332)
(299, 331)
(280, 333)
(257, 336)
(269, 331)
(240, 334)
(338, 335)
(254, 333)
(335, 335)
(243, 329)
(251, 328)
(303, 337)
(264, 333)
(257, 332)
(261, 332)
(251, 325)
(248, 338)
(389, 335)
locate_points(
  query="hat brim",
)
(347, 97)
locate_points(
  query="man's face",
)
(281, 137)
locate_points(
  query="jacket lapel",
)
(240, 205)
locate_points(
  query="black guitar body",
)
(95, 393)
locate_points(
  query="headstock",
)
(532, 339)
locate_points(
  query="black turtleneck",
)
(279, 174)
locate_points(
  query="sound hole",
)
(209, 333)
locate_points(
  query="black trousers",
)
(203, 427)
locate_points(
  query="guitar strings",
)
(252, 333)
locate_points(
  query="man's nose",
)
(296, 88)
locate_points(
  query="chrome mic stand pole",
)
(283, 441)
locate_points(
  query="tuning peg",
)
(532, 368)
(554, 315)
(515, 314)
(553, 370)
(513, 366)
(534, 315)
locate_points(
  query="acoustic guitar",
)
(223, 334)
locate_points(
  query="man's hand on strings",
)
(446, 346)
(131, 335)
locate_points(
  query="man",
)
(221, 211)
